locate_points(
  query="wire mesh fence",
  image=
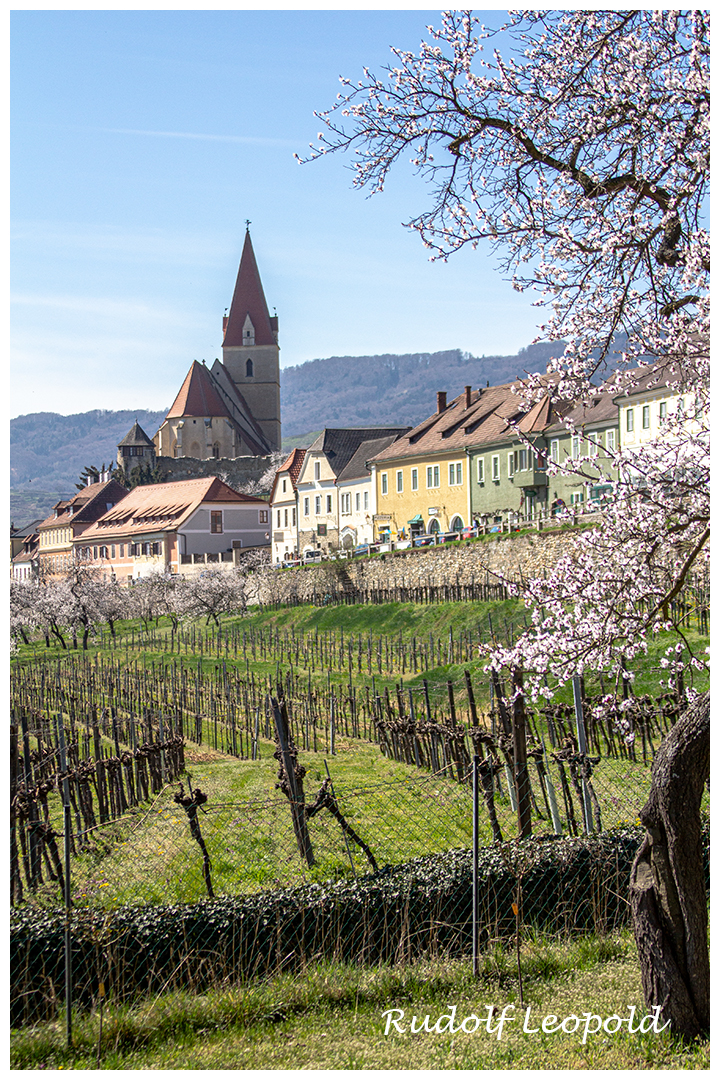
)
(146, 852)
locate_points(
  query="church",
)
(230, 410)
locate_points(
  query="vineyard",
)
(128, 715)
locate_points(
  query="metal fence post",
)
(582, 749)
(67, 827)
(476, 849)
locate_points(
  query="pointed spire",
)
(248, 302)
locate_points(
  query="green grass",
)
(330, 1017)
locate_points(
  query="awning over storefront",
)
(417, 520)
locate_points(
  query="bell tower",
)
(251, 354)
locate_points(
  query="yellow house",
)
(421, 480)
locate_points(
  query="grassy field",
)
(330, 1017)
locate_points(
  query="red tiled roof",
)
(292, 466)
(164, 506)
(248, 299)
(86, 506)
(198, 396)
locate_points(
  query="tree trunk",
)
(668, 894)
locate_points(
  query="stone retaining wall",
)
(512, 556)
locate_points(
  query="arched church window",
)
(216, 450)
(249, 369)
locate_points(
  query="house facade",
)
(420, 480)
(594, 438)
(324, 462)
(70, 520)
(177, 527)
(357, 500)
(284, 508)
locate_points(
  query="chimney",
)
(441, 400)
(468, 396)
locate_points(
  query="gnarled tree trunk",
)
(667, 885)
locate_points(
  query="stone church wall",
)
(233, 471)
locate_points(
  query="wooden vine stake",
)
(290, 776)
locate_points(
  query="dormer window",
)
(248, 334)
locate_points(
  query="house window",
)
(455, 472)
(286, 519)
(112, 551)
(646, 417)
(156, 547)
(95, 553)
(496, 466)
(264, 517)
(366, 499)
(103, 552)
(293, 516)
(357, 500)
(278, 519)
(680, 406)
(523, 459)
(328, 504)
(216, 525)
(414, 479)
(433, 476)
(610, 440)
(481, 470)
(384, 483)
(630, 420)
(399, 481)
(575, 446)
(555, 451)
(306, 507)
(593, 443)
(249, 369)
(122, 551)
(576, 497)
(663, 410)
(318, 503)
(317, 470)
(284, 486)
(451, 474)
(511, 464)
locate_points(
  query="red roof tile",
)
(198, 396)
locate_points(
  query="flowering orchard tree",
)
(214, 592)
(576, 144)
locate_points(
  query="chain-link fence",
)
(173, 864)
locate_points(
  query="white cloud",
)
(249, 140)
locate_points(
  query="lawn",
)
(330, 1016)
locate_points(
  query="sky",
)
(142, 141)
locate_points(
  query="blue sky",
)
(141, 142)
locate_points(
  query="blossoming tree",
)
(576, 144)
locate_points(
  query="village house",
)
(595, 436)
(324, 461)
(647, 405)
(178, 527)
(357, 496)
(24, 552)
(284, 508)
(420, 479)
(69, 521)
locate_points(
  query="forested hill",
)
(358, 391)
(48, 451)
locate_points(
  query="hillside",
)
(48, 451)
(355, 391)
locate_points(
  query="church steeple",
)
(251, 356)
(249, 317)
